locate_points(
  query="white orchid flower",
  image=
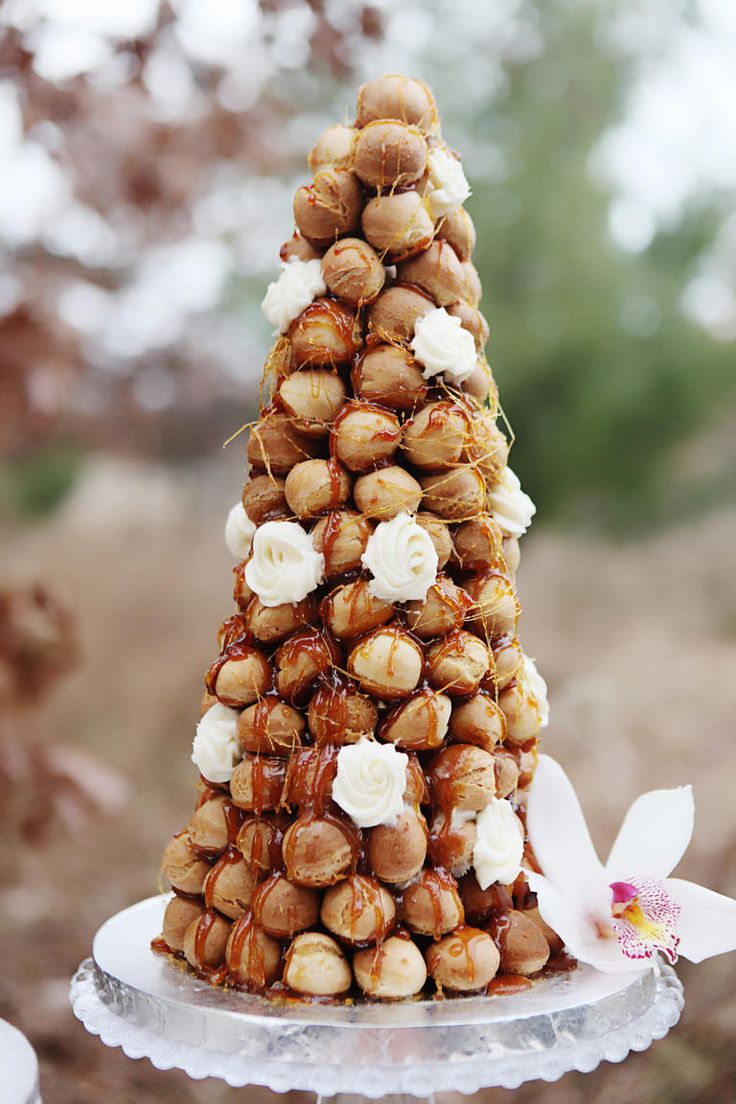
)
(618, 916)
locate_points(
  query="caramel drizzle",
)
(436, 882)
(309, 777)
(319, 650)
(505, 985)
(260, 899)
(464, 939)
(407, 393)
(267, 777)
(245, 931)
(264, 848)
(237, 642)
(214, 974)
(330, 703)
(331, 532)
(342, 321)
(209, 888)
(390, 434)
(350, 833)
(455, 599)
(366, 896)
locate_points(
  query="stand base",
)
(356, 1098)
(143, 1003)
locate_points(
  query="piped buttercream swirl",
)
(299, 283)
(215, 745)
(537, 687)
(285, 566)
(447, 189)
(510, 506)
(443, 346)
(370, 782)
(401, 559)
(239, 530)
(499, 844)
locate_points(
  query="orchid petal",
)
(562, 914)
(654, 835)
(707, 922)
(557, 830)
(575, 923)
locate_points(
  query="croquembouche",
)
(370, 724)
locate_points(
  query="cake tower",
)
(370, 724)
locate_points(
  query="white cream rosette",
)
(370, 782)
(510, 506)
(285, 565)
(239, 530)
(499, 844)
(443, 346)
(447, 188)
(298, 285)
(401, 559)
(215, 745)
(538, 687)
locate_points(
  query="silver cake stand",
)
(141, 1002)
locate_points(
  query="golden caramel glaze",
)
(387, 154)
(437, 271)
(329, 207)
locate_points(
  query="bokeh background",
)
(148, 156)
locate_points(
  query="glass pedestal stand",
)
(141, 1002)
(356, 1098)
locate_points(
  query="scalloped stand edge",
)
(421, 1081)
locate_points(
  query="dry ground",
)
(638, 643)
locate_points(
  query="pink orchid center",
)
(644, 918)
(623, 893)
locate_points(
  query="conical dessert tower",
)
(370, 724)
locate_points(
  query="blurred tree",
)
(45, 784)
(596, 362)
(134, 145)
(153, 168)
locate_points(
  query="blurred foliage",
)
(600, 373)
(134, 323)
(35, 484)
